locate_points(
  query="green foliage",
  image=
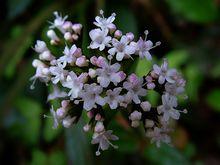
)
(200, 11)
(177, 58)
(143, 67)
(31, 112)
(213, 99)
(165, 155)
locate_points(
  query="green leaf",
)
(49, 133)
(16, 7)
(213, 99)
(31, 111)
(200, 11)
(165, 155)
(38, 157)
(143, 67)
(57, 158)
(194, 79)
(176, 58)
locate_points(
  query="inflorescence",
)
(97, 83)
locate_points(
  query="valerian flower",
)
(121, 48)
(99, 39)
(103, 139)
(91, 95)
(113, 98)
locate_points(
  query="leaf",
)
(143, 67)
(213, 99)
(57, 158)
(38, 157)
(194, 79)
(176, 58)
(30, 110)
(199, 11)
(165, 155)
(16, 7)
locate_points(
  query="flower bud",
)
(118, 34)
(98, 117)
(78, 52)
(151, 86)
(135, 116)
(90, 114)
(99, 127)
(65, 103)
(77, 28)
(149, 123)
(67, 25)
(75, 37)
(83, 77)
(93, 60)
(112, 28)
(133, 79)
(146, 106)
(61, 112)
(100, 62)
(68, 36)
(81, 61)
(135, 123)
(52, 35)
(40, 46)
(86, 128)
(122, 75)
(92, 73)
(130, 36)
(37, 63)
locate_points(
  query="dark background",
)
(190, 34)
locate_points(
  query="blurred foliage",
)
(189, 31)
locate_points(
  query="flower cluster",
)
(96, 84)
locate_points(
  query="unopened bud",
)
(81, 61)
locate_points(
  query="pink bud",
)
(146, 106)
(98, 117)
(101, 61)
(90, 114)
(86, 128)
(118, 34)
(93, 60)
(122, 75)
(68, 36)
(130, 36)
(81, 61)
(65, 103)
(77, 28)
(67, 25)
(61, 112)
(112, 28)
(133, 78)
(92, 73)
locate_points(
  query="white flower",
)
(91, 95)
(74, 83)
(55, 118)
(58, 22)
(99, 39)
(103, 22)
(40, 46)
(113, 98)
(134, 87)
(42, 72)
(69, 56)
(164, 73)
(143, 47)
(57, 93)
(158, 135)
(103, 139)
(108, 73)
(121, 48)
(59, 74)
(168, 107)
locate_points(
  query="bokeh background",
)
(190, 34)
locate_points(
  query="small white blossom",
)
(103, 139)
(113, 98)
(59, 74)
(164, 73)
(99, 39)
(121, 48)
(157, 135)
(134, 87)
(108, 73)
(91, 95)
(169, 103)
(103, 22)
(58, 22)
(74, 83)
(40, 46)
